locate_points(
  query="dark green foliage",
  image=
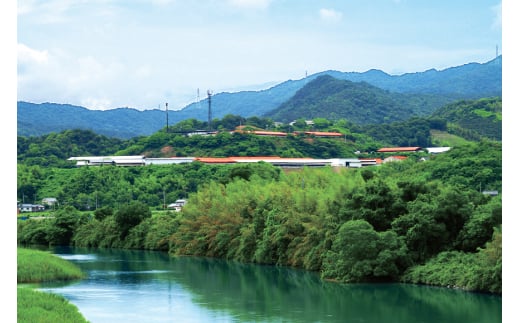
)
(103, 212)
(129, 216)
(480, 226)
(475, 165)
(362, 103)
(33, 232)
(359, 253)
(481, 271)
(414, 132)
(66, 221)
(376, 203)
(473, 119)
(57, 147)
(246, 171)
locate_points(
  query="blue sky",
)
(104, 54)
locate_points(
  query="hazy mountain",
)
(38, 119)
(468, 81)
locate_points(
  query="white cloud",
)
(252, 4)
(27, 55)
(330, 15)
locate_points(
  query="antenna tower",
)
(167, 117)
(209, 110)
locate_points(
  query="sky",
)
(106, 54)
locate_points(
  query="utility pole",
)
(164, 199)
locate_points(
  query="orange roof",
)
(215, 160)
(396, 149)
(322, 133)
(253, 157)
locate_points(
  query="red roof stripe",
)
(395, 149)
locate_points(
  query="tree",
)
(66, 222)
(130, 215)
(101, 213)
(359, 253)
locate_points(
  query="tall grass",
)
(36, 306)
(35, 266)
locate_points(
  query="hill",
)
(469, 81)
(473, 119)
(358, 102)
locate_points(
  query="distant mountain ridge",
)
(469, 81)
(38, 119)
(461, 82)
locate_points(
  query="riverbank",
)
(36, 266)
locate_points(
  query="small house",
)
(50, 201)
(31, 207)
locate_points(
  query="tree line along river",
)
(149, 286)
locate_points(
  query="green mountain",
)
(469, 81)
(472, 119)
(358, 102)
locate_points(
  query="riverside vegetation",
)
(401, 221)
(36, 266)
(415, 221)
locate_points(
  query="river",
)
(144, 286)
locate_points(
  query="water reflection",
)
(139, 286)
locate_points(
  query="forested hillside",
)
(361, 103)
(54, 149)
(473, 118)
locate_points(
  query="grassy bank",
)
(36, 266)
(36, 306)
